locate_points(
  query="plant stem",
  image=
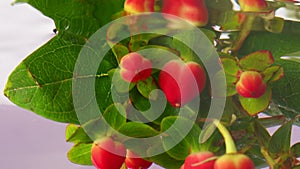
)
(246, 29)
(230, 145)
(269, 159)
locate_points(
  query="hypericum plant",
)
(120, 101)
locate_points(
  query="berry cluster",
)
(181, 82)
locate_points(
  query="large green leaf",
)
(286, 92)
(42, 83)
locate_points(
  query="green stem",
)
(269, 159)
(230, 145)
(246, 29)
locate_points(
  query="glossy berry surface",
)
(108, 154)
(197, 161)
(234, 161)
(251, 85)
(139, 6)
(193, 11)
(134, 67)
(133, 161)
(181, 82)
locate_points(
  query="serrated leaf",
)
(81, 154)
(256, 105)
(259, 60)
(284, 135)
(76, 134)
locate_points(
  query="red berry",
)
(139, 6)
(234, 161)
(194, 161)
(181, 82)
(253, 5)
(134, 67)
(108, 154)
(133, 161)
(251, 85)
(193, 11)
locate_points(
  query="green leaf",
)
(81, 154)
(120, 51)
(284, 135)
(187, 144)
(296, 150)
(272, 121)
(165, 160)
(47, 74)
(274, 25)
(79, 18)
(231, 69)
(146, 87)
(115, 116)
(273, 73)
(119, 84)
(285, 91)
(262, 135)
(76, 134)
(139, 102)
(259, 60)
(256, 105)
(256, 156)
(138, 130)
(46, 81)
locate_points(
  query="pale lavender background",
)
(29, 141)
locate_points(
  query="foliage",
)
(42, 83)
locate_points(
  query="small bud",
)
(138, 6)
(234, 161)
(253, 5)
(251, 85)
(193, 11)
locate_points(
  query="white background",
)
(28, 141)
